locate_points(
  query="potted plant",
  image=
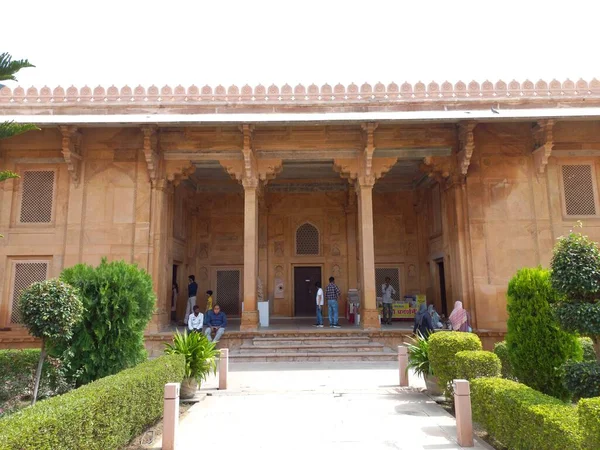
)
(200, 359)
(418, 360)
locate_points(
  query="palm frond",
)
(9, 129)
(8, 67)
(200, 354)
(7, 175)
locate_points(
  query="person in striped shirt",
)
(332, 294)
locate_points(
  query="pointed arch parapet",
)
(351, 93)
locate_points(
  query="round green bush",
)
(443, 347)
(537, 346)
(50, 309)
(588, 349)
(501, 351)
(472, 364)
(576, 268)
(582, 379)
(119, 302)
(589, 422)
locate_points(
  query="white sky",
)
(223, 41)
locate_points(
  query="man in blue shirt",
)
(216, 321)
(192, 291)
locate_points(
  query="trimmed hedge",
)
(17, 376)
(520, 417)
(472, 364)
(589, 421)
(501, 351)
(104, 414)
(443, 346)
(587, 345)
(582, 379)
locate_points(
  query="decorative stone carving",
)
(279, 271)
(203, 273)
(542, 143)
(203, 250)
(364, 170)
(279, 248)
(259, 290)
(177, 171)
(71, 151)
(335, 249)
(151, 152)
(438, 168)
(466, 143)
(335, 270)
(203, 228)
(412, 272)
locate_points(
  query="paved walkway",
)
(317, 406)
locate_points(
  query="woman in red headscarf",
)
(459, 318)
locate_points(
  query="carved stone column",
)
(161, 189)
(351, 211)
(362, 172)
(369, 313)
(253, 173)
(250, 314)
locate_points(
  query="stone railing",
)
(392, 93)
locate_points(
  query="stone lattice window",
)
(380, 275)
(37, 196)
(307, 240)
(579, 190)
(25, 273)
(228, 291)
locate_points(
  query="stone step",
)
(312, 357)
(313, 348)
(296, 341)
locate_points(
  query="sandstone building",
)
(447, 189)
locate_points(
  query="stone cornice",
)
(313, 94)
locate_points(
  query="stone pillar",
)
(250, 314)
(158, 251)
(351, 241)
(369, 312)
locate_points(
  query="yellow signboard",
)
(405, 309)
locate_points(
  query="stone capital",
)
(71, 151)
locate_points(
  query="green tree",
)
(537, 346)
(576, 276)
(119, 302)
(50, 310)
(8, 71)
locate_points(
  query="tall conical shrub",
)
(537, 346)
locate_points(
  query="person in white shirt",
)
(320, 300)
(196, 320)
(387, 291)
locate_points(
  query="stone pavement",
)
(317, 406)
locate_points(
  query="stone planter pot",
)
(189, 387)
(433, 385)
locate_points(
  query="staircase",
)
(312, 348)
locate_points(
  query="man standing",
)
(333, 294)
(192, 291)
(196, 320)
(387, 291)
(320, 302)
(216, 321)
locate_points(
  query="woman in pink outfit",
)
(459, 318)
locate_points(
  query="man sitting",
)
(196, 320)
(216, 321)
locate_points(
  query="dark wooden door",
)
(305, 290)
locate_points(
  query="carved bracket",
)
(177, 171)
(438, 168)
(543, 143)
(71, 151)
(364, 170)
(466, 143)
(150, 150)
(251, 171)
